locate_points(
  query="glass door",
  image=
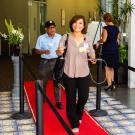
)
(42, 17)
(37, 17)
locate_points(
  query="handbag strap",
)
(66, 43)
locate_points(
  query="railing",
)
(40, 96)
(131, 68)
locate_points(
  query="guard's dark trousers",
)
(46, 73)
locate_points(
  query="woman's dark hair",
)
(76, 18)
(108, 17)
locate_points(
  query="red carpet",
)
(52, 125)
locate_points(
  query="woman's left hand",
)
(97, 45)
(93, 61)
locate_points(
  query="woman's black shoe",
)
(108, 88)
(59, 105)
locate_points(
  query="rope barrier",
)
(49, 102)
(94, 81)
(131, 68)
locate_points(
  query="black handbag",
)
(59, 65)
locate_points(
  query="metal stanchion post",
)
(39, 111)
(22, 114)
(98, 112)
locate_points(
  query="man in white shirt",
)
(47, 45)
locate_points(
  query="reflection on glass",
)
(42, 17)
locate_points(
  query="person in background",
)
(110, 54)
(76, 69)
(47, 45)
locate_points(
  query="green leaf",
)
(123, 52)
(9, 26)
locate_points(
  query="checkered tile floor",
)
(8, 126)
(119, 121)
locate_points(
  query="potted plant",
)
(121, 18)
(125, 12)
(123, 69)
(14, 37)
(123, 53)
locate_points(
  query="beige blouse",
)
(76, 59)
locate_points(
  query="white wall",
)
(131, 49)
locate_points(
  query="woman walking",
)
(76, 69)
(110, 54)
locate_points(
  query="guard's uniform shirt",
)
(44, 42)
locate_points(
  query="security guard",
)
(47, 45)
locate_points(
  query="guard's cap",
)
(49, 23)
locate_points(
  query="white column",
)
(15, 90)
(131, 49)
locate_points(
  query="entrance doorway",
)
(37, 17)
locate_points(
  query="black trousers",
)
(74, 107)
(46, 73)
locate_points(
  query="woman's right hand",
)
(60, 50)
